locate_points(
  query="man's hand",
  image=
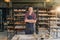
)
(26, 20)
(30, 21)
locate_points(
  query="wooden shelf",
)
(10, 23)
(42, 28)
(43, 19)
(22, 10)
(42, 14)
(54, 19)
(42, 11)
(52, 15)
(19, 14)
(58, 22)
(43, 23)
(58, 19)
(11, 30)
(54, 26)
(19, 23)
(19, 27)
(48, 15)
(9, 18)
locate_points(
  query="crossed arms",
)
(30, 21)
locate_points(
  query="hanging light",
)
(48, 0)
(7, 0)
(52, 11)
(58, 9)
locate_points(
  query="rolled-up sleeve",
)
(34, 17)
(25, 16)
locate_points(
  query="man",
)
(30, 19)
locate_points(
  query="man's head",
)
(30, 9)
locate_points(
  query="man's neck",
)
(30, 13)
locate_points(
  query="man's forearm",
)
(31, 21)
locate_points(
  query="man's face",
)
(30, 9)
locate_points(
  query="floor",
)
(3, 36)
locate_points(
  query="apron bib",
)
(29, 26)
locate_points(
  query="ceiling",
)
(19, 2)
(27, 0)
(1, 0)
(24, 0)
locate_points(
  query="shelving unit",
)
(10, 25)
(43, 22)
(1, 21)
(55, 27)
(46, 19)
(18, 15)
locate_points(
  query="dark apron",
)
(29, 26)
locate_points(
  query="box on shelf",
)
(53, 33)
(53, 23)
(42, 32)
(19, 26)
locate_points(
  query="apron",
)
(29, 26)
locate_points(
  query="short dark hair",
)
(29, 7)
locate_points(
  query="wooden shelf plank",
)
(9, 18)
(43, 19)
(19, 14)
(19, 22)
(42, 11)
(43, 23)
(47, 15)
